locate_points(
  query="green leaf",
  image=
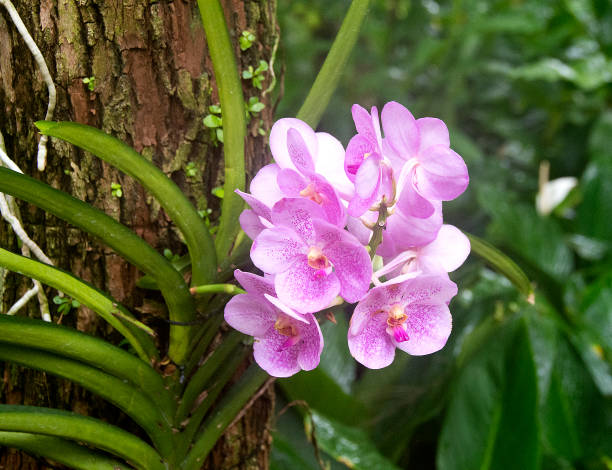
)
(118, 237)
(96, 300)
(335, 64)
(234, 124)
(215, 109)
(493, 409)
(72, 426)
(62, 451)
(348, 445)
(501, 263)
(594, 212)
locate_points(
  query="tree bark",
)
(153, 86)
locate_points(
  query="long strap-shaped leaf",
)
(131, 401)
(234, 125)
(86, 294)
(121, 239)
(224, 414)
(37, 420)
(61, 450)
(327, 80)
(67, 342)
(175, 203)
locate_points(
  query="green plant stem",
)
(239, 257)
(503, 264)
(67, 342)
(327, 80)
(224, 414)
(377, 232)
(127, 398)
(202, 376)
(121, 239)
(63, 424)
(210, 330)
(234, 124)
(217, 289)
(86, 294)
(197, 237)
(62, 451)
(220, 380)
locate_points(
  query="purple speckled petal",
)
(408, 232)
(428, 328)
(356, 228)
(363, 123)
(264, 186)
(305, 289)
(372, 346)
(432, 131)
(271, 355)
(330, 164)
(299, 153)
(331, 204)
(283, 308)
(426, 289)
(297, 214)
(441, 174)
(254, 284)
(278, 140)
(291, 183)
(401, 130)
(258, 206)
(251, 223)
(449, 250)
(310, 345)
(367, 179)
(356, 150)
(370, 305)
(250, 314)
(353, 267)
(275, 249)
(411, 203)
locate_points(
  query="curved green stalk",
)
(57, 423)
(60, 450)
(175, 203)
(327, 80)
(201, 343)
(118, 237)
(127, 398)
(234, 125)
(67, 342)
(224, 414)
(199, 380)
(220, 380)
(217, 289)
(503, 264)
(86, 294)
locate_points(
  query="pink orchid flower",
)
(426, 168)
(313, 260)
(412, 315)
(285, 341)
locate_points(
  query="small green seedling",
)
(190, 170)
(90, 82)
(252, 107)
(246, 40)
(65, 304)
(214, 122)
(170, 256)
(116, 190)
(218, 192)
(257, 76)
(205, 214)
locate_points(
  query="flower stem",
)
(377, 231)
(217, 289)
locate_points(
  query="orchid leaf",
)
(234, 123)
(169, 195)
(121, 239)
(94, 432)
(335, 63)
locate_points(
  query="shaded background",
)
(525, 88)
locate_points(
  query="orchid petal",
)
(432, 131)
(297, 214)
(356, 151)
(283, 308)
(277, 361)
(299, 153)
(250, 314)
(276, 249)
(278, 140)
(400, 130)
(330, 164)
(363, 123)
(264, 186)
(304, 289)
(251, 223)
(258, 206)
(353, 267)
(441, 174)
(428, 328)
(449, 250)
(254, 284)
(425, 289)
(373, 346)
(310, 345)
(368, 177)
(291, 182)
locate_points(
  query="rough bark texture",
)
(153, 85)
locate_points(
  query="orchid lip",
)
(311, 193)
(319, 262)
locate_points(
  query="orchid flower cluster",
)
(321, 217)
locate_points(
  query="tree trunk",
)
(153, 84)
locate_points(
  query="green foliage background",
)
(519, 386)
